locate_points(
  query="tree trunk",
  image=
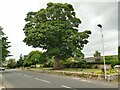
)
(57, 65)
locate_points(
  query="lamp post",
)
(100, 26)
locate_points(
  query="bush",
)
(112, 71)
(99, 72)
(115, 63)
(108, 72)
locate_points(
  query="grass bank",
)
(95, 71)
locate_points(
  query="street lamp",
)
(100, 26)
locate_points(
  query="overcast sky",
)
(13, 13)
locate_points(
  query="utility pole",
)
(100, 26)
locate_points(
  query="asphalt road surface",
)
(28, 79)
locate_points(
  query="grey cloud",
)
(107, 10)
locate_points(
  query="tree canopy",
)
(4, 45)
(11, 63)
(55, 29)
(34, 57)
(97, 56)
(20, 61)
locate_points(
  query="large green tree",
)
(34, 57)
(4, 45)
(55, 29)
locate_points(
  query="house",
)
(89, 59)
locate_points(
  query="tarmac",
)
(1, 85)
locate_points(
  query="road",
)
(1, 81)
(28, 79)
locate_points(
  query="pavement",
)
(1, 81)
(28, 79)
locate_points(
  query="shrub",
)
(112, 71)
(108, 72)
(99, 72)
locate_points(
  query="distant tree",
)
(97, 56)
(113, 60)
(33, 58)
(83, 64)
(78, 59)
(119, 53)
(11, 63)
(49, 62)
(20, 61)
(18, 64)
(4, 45)
(67, 62)
(55, 29)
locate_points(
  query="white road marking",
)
(37, 78)
(43, 80)
(27, 76)
(76, 78)
(65, 86)
(85, 81)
